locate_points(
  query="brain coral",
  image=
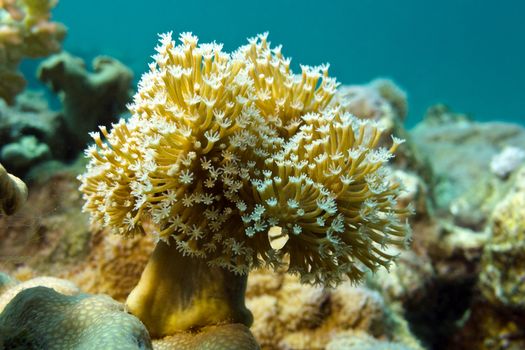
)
(221, 147)
(41, 318)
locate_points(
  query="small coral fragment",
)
(13, 192)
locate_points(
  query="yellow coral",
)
(214, 141)
(222, 147)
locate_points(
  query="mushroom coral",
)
(239, 163)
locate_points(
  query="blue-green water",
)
(468, 54)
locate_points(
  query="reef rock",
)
(290, 315)
(49, 235)
(502, 278)
(460, 152)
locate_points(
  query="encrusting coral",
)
(25, 32)
(13, 192)
(218, 337)
(240, 163)
(360, 341)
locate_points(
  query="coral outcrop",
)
(497, 314)
(30, 133)
(291, 315)
(26, 31)
(507, 161)
(502, 279)
(89, 99)
(460, 152)
(379, 100)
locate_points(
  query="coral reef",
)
(502, 278)
(231, 162)
(26, 31)
(291, 315)
(13, 192)
(41, 318)
(89, 98)
(497, 314)
(488, 327)
(219, 149)
(460, 152)
(31, 134)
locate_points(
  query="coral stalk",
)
(177, 292)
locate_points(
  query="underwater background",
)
(159, 192)
(467, 54)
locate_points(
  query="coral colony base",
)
(239, 163)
